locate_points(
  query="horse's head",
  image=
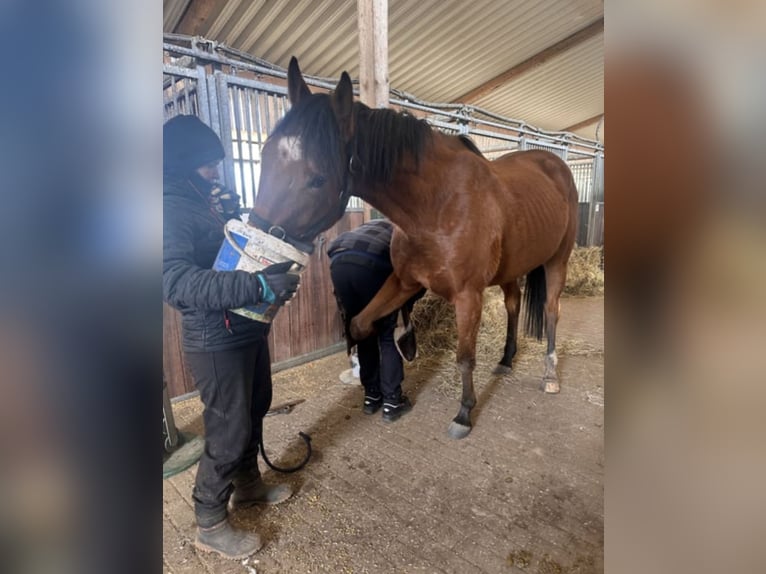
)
(304, 185)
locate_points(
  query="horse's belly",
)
(523, 252)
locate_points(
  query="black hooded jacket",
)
(192, 235)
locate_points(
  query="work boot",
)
(255, 491)
(231, 543)
(372, 404)
(394, 409)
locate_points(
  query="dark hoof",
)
(551, 387)
(501, 369)
(458, 431)
(407, 345)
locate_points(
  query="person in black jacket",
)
(360, 262)
(227, 354)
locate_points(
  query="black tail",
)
(534, 303)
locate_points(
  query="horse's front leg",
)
(391, 296)
(468, 314)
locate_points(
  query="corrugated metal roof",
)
(172, 11)
(563, 91)
(438, 49)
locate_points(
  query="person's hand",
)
(277, 286)
(224, 201)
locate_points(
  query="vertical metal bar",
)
(285, 107)
(177, 108)
(202, 99)
(267, 113)
(596, 182)
(165, 107)
(215, 121)
(236, 102)
(251, 156)
(277, 102)
(173, 97)
(259, 130)
(186, 108)
(224, 117)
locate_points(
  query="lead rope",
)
(306, 438)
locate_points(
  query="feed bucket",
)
(246, 248)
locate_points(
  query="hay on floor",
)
(584, 273)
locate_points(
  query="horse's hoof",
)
(551, 387)
(458, 431)
(501, 370)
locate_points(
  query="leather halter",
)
(354, 168)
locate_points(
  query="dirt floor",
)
(522, 493)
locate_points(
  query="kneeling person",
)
(360, 263)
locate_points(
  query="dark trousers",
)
(235, 388)
(356, 282)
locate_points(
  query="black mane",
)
(383, 137)
(469, 143)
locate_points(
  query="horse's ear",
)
(342, 104)
(296, 85)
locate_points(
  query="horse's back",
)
(521, 164)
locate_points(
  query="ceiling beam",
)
(196, 15)
(567, 43)
(582, 124)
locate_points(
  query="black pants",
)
(380, 366)
(235, 387)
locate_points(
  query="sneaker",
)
(347, 378)
(393, 410)
(372, 404)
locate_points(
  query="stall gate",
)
(232, 97)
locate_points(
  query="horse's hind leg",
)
(512, 300)
(468, 315)
(555, 277)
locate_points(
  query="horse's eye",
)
(317, 181)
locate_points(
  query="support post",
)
(372, 17)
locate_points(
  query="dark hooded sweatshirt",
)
(192, 235)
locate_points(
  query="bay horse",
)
(462, 222)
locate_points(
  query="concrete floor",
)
(523, 493)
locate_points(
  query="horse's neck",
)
(401, 194)
(399, 201)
